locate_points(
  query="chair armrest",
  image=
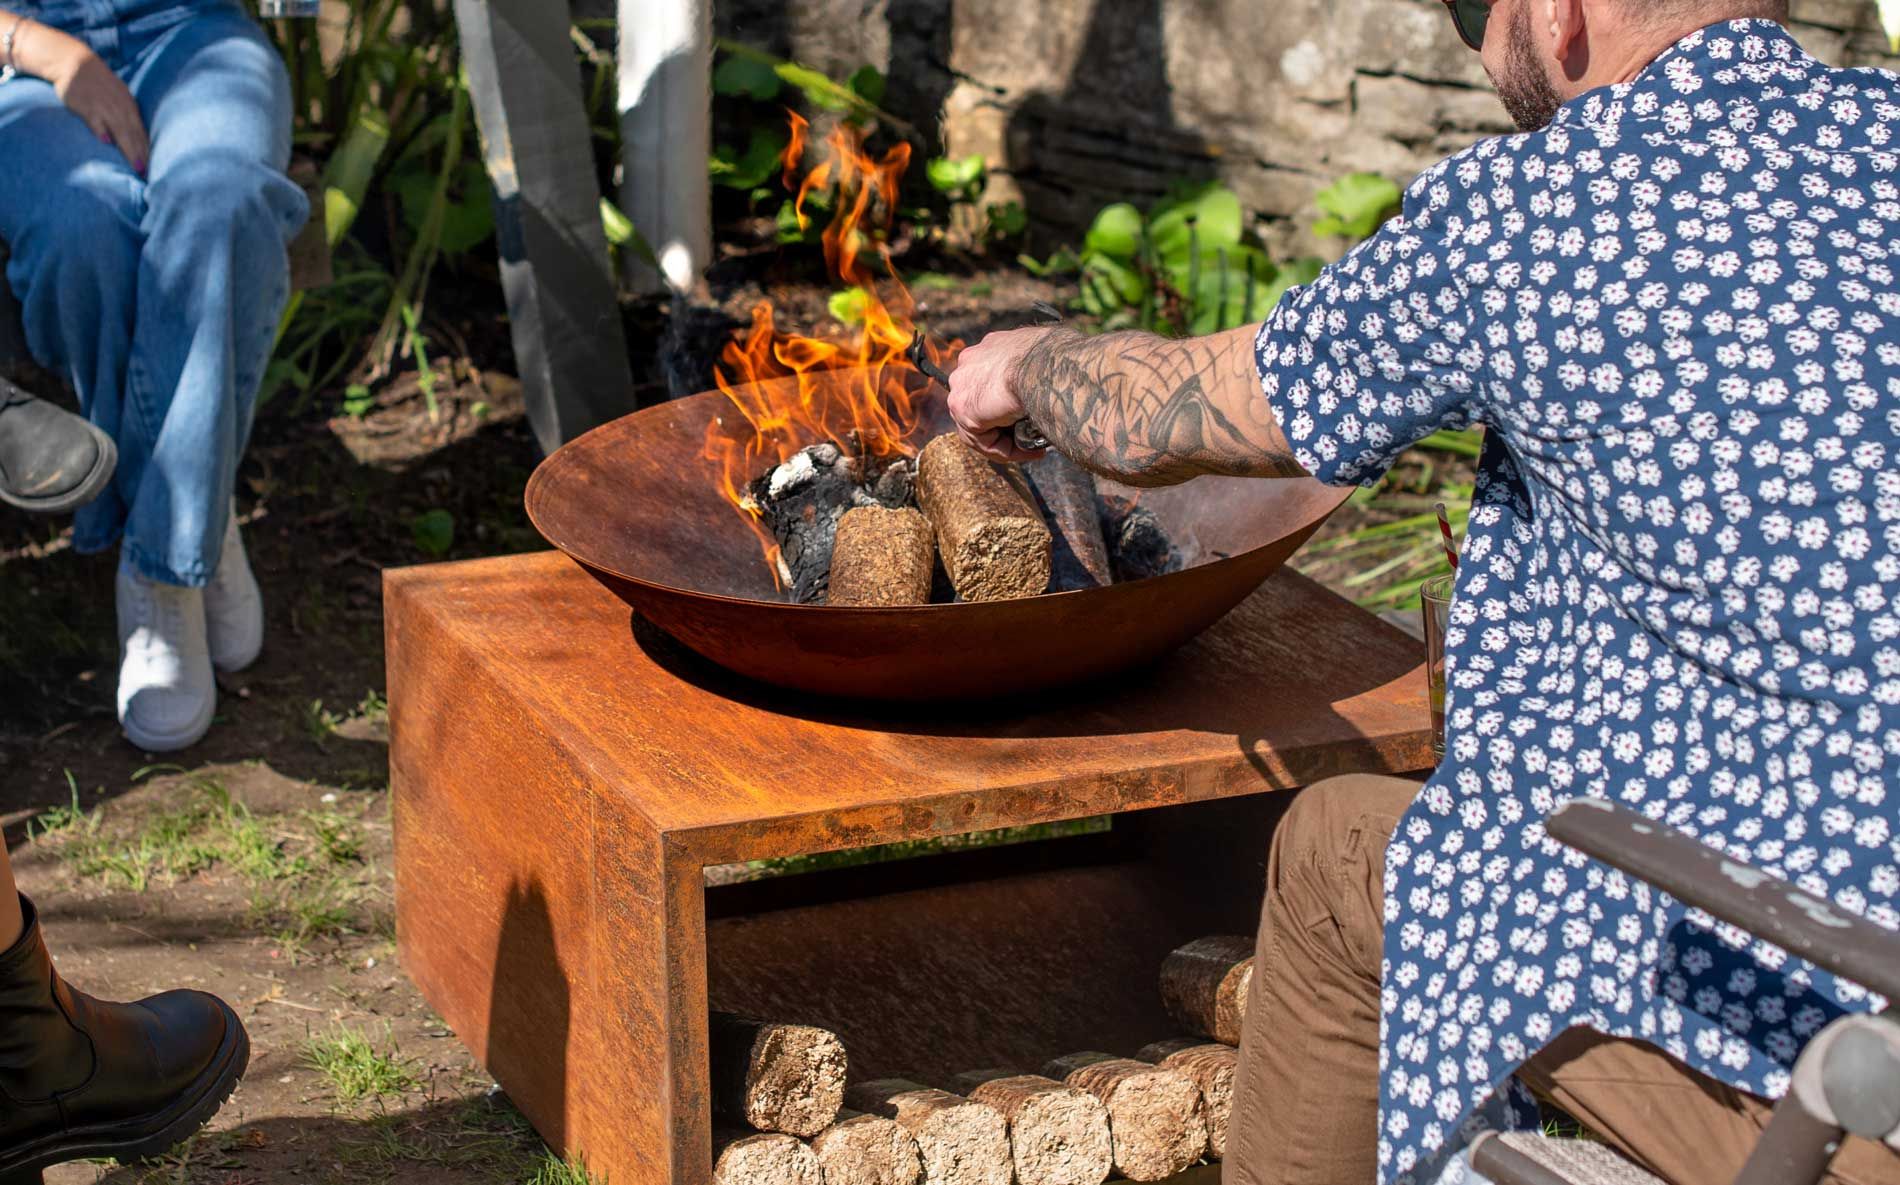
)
(1764, 905)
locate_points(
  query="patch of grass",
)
(319, 723)
(209, 829)
(373, 706)
(66, 819)
(553, 1170)
(355, 1068)
(336, 836)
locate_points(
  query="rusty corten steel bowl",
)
(635, 505)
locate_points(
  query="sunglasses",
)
(1470, 17)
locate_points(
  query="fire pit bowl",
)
(635, 505)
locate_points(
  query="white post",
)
(665, 66)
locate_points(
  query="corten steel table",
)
(562, 775)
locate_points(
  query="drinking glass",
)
(1435, 601)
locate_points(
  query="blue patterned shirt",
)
(1674, 310)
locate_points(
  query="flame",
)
(788, 391)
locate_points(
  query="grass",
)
(209, 829)
(553, 1170)
(912, 849)
(355, 1068)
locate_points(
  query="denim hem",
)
(192, 575)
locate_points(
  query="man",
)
(1672, 303)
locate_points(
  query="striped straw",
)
(1444, 528)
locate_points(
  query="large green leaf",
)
(848, 305)
(1298, 271)
(1206, 217)
(1109, 284)
(1220, 291)
(467, 212)
(742, 75)
(867, 83)
(1356, 205)
(955, 174)
(750, 168)
(1116, 232)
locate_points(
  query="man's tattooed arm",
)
(1151, 411)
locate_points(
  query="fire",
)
(788, 390)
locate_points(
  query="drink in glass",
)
(1435, 601)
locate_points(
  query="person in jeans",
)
(144, 202)
(1673, 302)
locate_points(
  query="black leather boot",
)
(51, 461)
(83, 1078)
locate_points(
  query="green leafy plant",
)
(849, 305)
(961, 181)
(433, 531)
(1356, 205)
(355, 1068)
(756, 82)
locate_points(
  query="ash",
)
(801, 500)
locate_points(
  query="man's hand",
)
(86, 85)
(984, 401)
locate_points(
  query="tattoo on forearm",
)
(1148, 410)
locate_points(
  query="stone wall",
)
(1081, 102)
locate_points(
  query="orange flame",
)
(789, 391)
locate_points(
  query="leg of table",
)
(645, 1116)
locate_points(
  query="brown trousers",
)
(1306, 1099)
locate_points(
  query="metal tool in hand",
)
(1028, 437)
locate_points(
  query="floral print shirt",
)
(1675, 311)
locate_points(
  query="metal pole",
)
(665, 64)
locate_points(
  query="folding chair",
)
(1847, 1079)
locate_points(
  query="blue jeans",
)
(157, 297)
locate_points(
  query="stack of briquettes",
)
(790, 1113)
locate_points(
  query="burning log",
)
(800, 502)
(763, 1158)
(994, 544)
(776, 1077)
(1204, 986)
(882, 557)
(1058, 1135)
(864, 1149)
(1154, 1115)
(960, 1142)
(1212, 1066)
(1079, 552)
(1138, 546)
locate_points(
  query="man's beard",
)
(1529, 98)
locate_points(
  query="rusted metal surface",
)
(635, 505)
(1766, 906)
(560, 780)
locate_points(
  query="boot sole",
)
(184, 738)
(94, 484)
(132, 1140)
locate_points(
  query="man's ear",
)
(1567, 23)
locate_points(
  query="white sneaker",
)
(167, 693)
(234, 606)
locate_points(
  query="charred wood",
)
(1078, 550)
